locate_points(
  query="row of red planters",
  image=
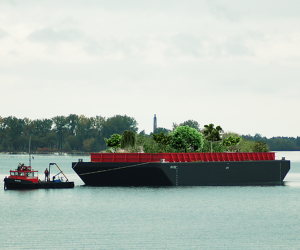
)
(181, 157)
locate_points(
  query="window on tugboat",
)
(30, 174)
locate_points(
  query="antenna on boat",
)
(29, 151)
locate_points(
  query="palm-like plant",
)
(212, 134)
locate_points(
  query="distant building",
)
(154, 124)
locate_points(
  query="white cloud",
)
(233, 63)
(49, 35)
(3, 33)
(256, 9)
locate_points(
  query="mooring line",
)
(106, 170)
(75, 165)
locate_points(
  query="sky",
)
(232, 63)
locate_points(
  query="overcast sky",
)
(232, 63)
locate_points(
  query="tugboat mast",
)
(29, 151)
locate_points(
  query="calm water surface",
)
(249, 217)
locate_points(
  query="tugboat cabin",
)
(24, 173)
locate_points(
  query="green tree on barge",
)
(212, 134)
(186, 138)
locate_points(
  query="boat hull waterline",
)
(23, 184)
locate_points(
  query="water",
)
(254, 217)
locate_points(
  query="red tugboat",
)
(25, 177)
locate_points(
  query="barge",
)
(182, 169)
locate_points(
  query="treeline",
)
(61, 133)
(82, 134)
(277, 143)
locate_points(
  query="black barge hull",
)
(23, 184)
(182, 173)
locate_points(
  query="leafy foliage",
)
(89, 144)
(67, 147)
(79, 132)
(218, 147)
(260, 146)
(60, 128)
(245, 146)
(14, 128)
(114, 142)
(150, 146)
(163, 140)
(118, 124)
(128, 139)
(231, 143)
(187, 139)
(277, 143)
(162, 130)
(190, 123)
(212, 134)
